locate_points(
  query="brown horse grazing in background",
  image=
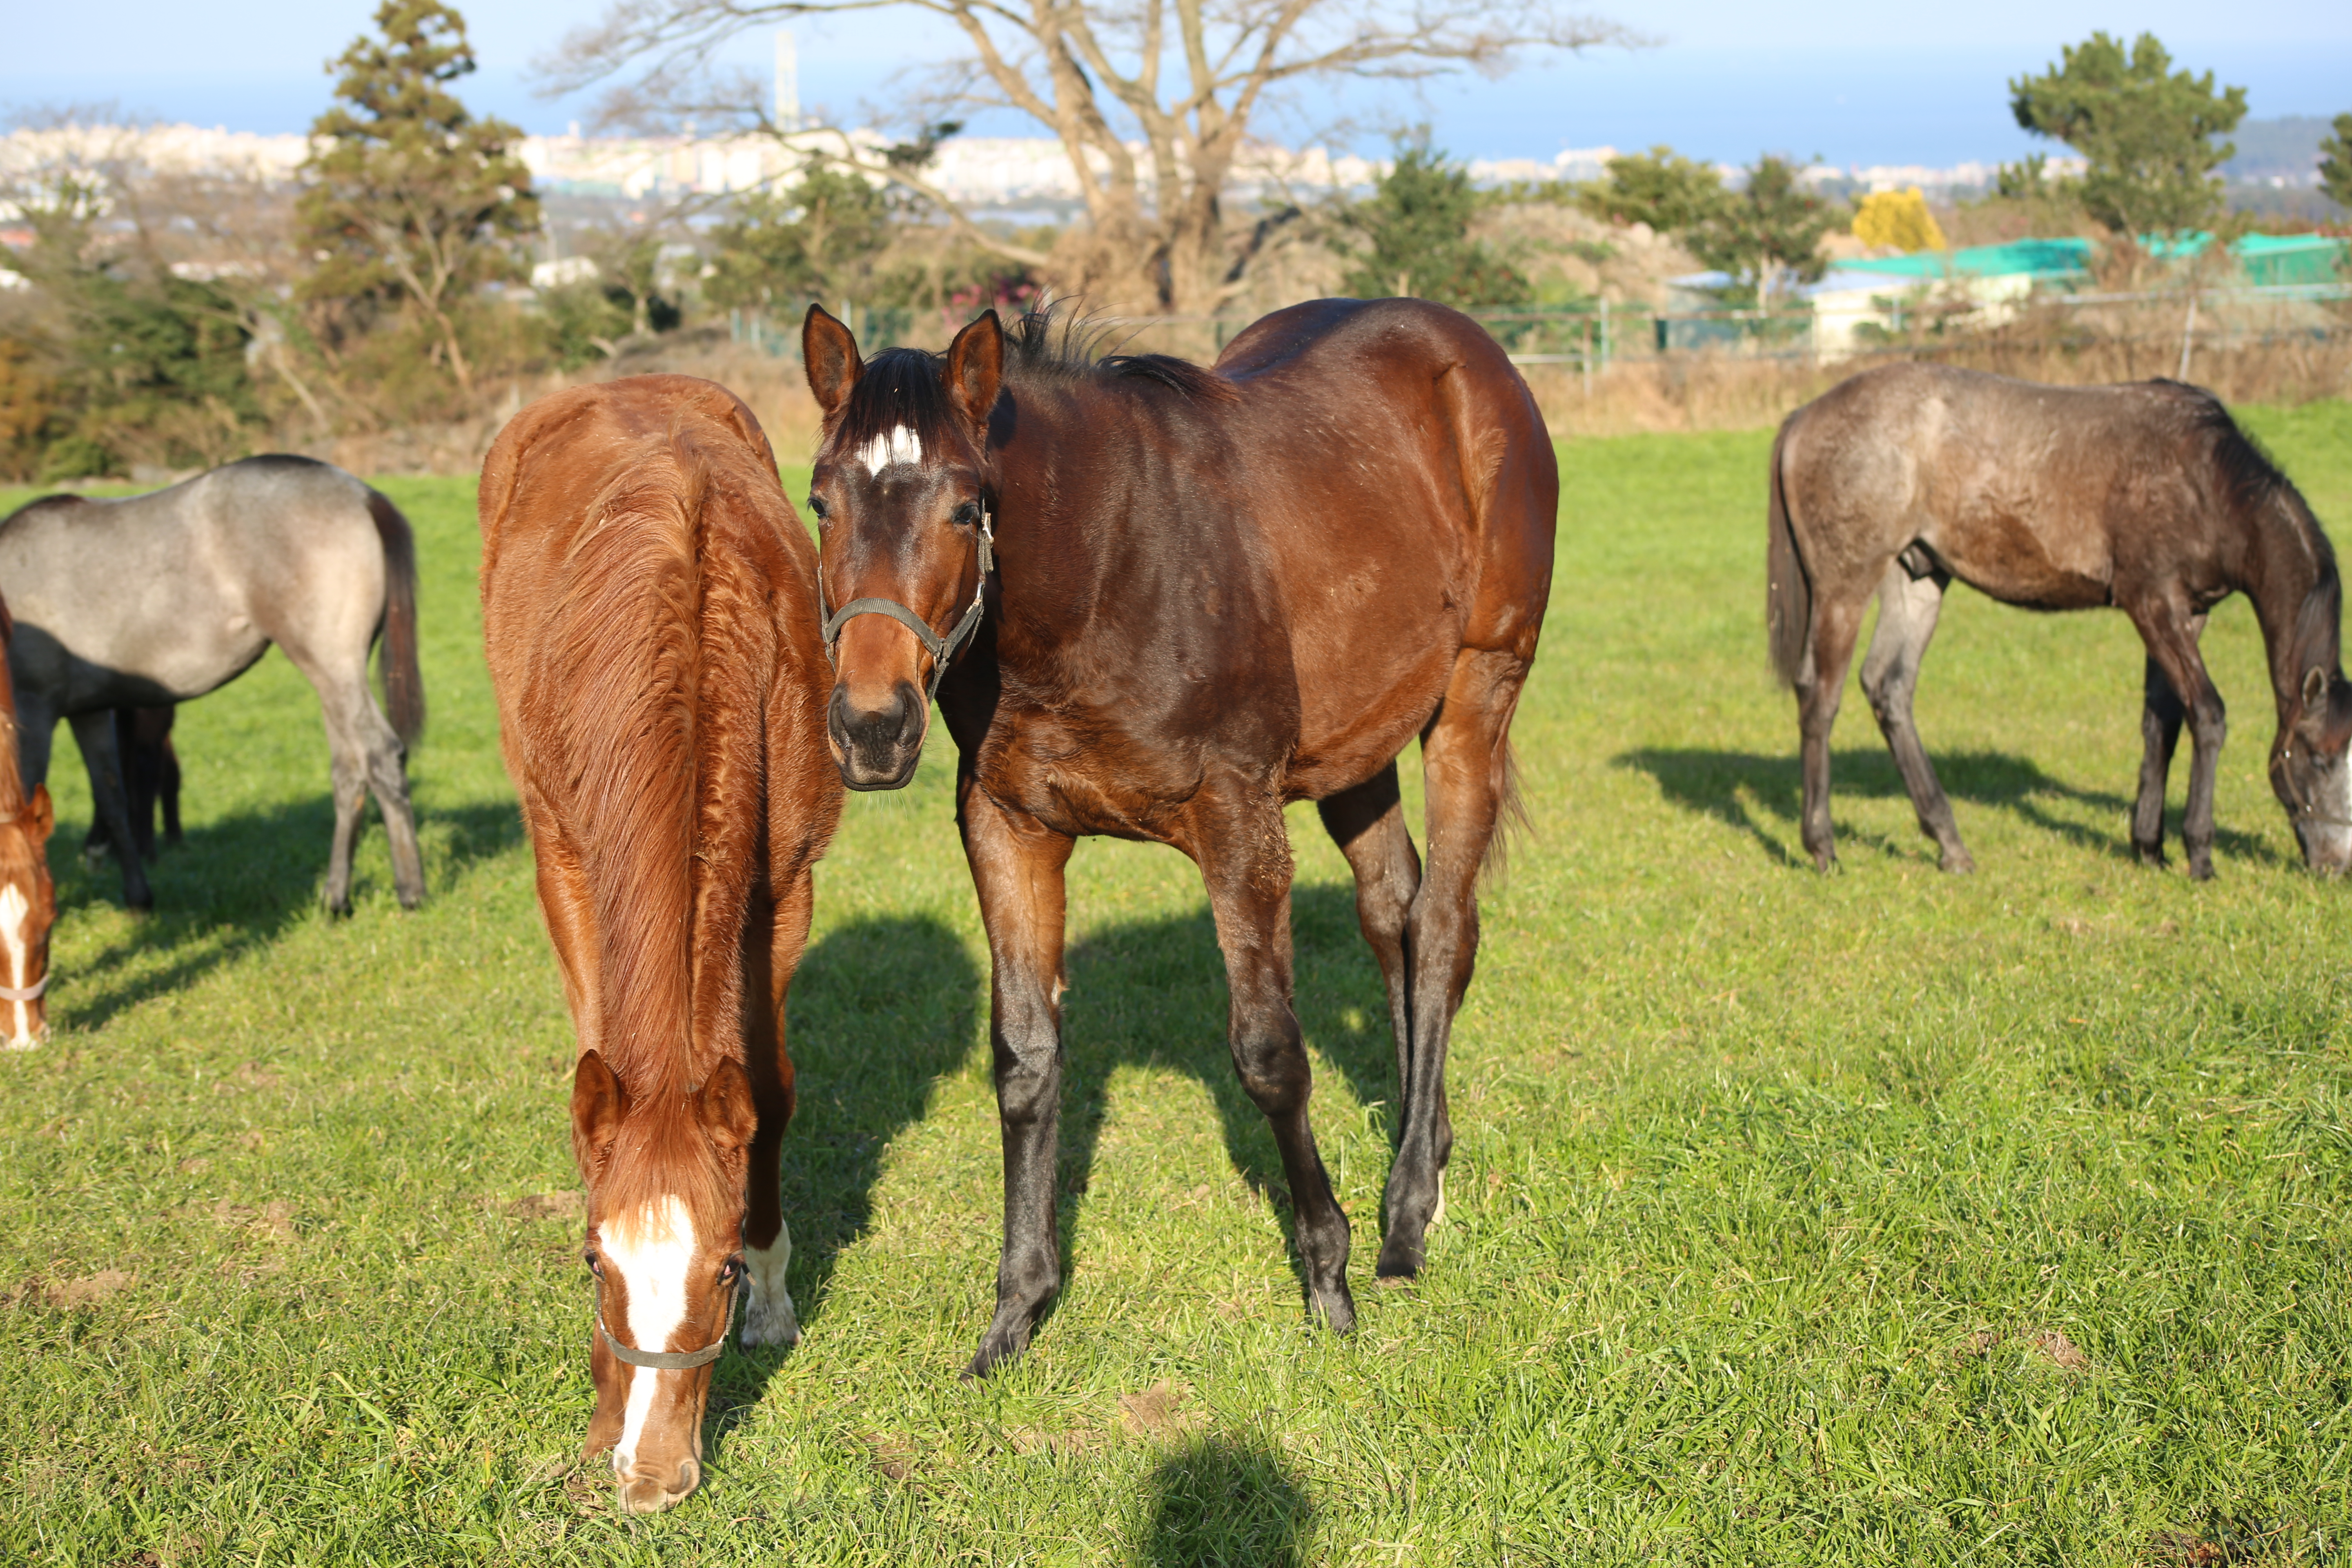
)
(650, 604)
(2147, 498)
(1213, 591)
(28, 901)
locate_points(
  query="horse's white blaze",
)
(15, 911)
(900, 446)
(768, 1317)
(651, 1250)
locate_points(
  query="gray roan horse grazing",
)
(163, 597)
(2146, 497)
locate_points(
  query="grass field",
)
(1889, 1217)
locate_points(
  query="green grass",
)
(1888, 1218)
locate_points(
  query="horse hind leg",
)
(1463, 766)
(1908, 610)
(1236, 837)
(365, 757)
(2159, 727)
(1368, 824)
(1821, 684)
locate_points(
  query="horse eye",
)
(816, 507)
(967, 515)
(731, 1271)
(595, 1264)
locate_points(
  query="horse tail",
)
(404, 683)
(1788, 593)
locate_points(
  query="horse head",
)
(665, 1179)
(900, 494)
(28, 908)
(2310, 772)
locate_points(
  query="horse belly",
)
(2049, 566)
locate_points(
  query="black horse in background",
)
(151, 777)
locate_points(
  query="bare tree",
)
(1184, 78)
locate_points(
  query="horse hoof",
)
(1399, 1263)
(1958, 863)
(1337, 1308)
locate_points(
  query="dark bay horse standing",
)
(2147, 497)
(159, 599)
(28, 901)
(1215, 591)
(650, 602)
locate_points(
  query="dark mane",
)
(1047, 344)
(898, 386)
(2252, 483)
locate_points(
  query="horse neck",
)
(1051, 466)
(2296, 593)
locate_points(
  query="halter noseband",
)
(24, 993)
(942, 649)
(2282, 776)
(667, 1361)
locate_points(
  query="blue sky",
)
(1854, 82)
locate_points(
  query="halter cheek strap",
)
(942, 649)
(665, 1361)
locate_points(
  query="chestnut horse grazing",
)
(2145, 497)
(28, 903)
(1189, 596)
(649, 601)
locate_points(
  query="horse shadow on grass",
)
(1763, 797)
(1228, 1503)
(233, 885)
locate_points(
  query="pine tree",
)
(1671, 194)
(1769, 230)
(413, 203)
(1419, 225)
(2336, 166)
(2147, 132)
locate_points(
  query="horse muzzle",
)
(877, 747)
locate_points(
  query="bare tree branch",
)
(1156, 235)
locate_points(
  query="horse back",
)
(649, 608)
(2047, 497)
(1406, 492)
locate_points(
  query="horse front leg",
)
(2172, 637)
(1237, 838)
(1017, 865)
(94, 732)
(773, 937)
(2159, 729)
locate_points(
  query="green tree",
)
(414, 204)
(2336, 166)
(817, 241)
(2146, 130)
(1767, 234)
(1671, 194)
(1418, 226)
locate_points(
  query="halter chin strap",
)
(942, 649)
(667, 1361)
(24, 993)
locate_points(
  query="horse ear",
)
(976, 367)
(40, 816)
(2315, 690)
(597, 1105)
(829, 353)
(725, 1103)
